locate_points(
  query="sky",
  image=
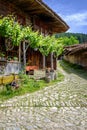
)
(73, 12)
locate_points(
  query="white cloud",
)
(78, 19)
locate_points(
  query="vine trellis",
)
(16, 33)
(8, 44)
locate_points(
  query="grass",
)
(27, 85)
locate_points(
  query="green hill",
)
(80, 36)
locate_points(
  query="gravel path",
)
(59, 107)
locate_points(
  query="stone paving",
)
(59, 107)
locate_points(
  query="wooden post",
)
(24, 54)
(56, 63)
(52, 67)
(44, 61)
(20, 53)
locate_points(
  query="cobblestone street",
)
(59, 107)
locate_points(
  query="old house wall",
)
(8, 8)
(35, 58)
(84, 60)
(48, 62)
(40, 26)
(24, 18)
(77, 58)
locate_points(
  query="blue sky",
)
(73, 12)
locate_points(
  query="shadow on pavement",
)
(73, 68)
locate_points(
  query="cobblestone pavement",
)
(59, 107)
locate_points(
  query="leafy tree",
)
(58, 47)
(10, 28)
(45, 45)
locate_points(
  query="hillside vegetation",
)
(82, 38)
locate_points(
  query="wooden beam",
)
(35, 11)
(20, 53)
(56, 63)
(24, 54)
(44, 61)
(52, 67)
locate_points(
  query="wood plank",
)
(44, 62)
(52, 67)
(24, 54)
